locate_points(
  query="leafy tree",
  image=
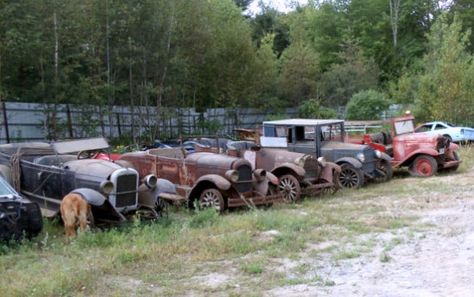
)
(354, 74)
(367, 105)
(312, 109)
(446, 84)
(299, 73)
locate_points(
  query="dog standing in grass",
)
(74, 211)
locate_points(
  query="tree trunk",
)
(394, 18)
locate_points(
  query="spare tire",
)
(35, 220)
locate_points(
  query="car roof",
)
(303, 122)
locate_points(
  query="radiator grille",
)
(245, 179)
(126, 190)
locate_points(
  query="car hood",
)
(418, 137)
(92, 167)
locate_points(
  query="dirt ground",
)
(433, 261)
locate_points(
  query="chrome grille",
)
(126, 190)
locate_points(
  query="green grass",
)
(169, 253)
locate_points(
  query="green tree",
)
(446, 84)
(299, 73)
(367, 105)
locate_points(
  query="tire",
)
(350, 177)
(387, 170)
(212, 198)
(448, 137)
(289, 187)
(35, 220)
(423, 166)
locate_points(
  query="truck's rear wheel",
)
(423, 166)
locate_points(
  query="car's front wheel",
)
(423, 166)
(212, 198)
(351, 177)
(289, 187)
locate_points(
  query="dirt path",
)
(438, 261)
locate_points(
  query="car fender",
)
(354, 162)
(425, 151)
(453, 147)
(150, 197)
(91, 196)
(207, 180)
(297, 170)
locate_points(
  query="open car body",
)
(45, 173)
(212, 180)
(313, 176)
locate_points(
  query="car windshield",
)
(5, 188)
(404, 127)
(332, 133)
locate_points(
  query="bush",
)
(312, 109)
(367, 105)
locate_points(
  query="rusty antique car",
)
(297, 173)
(424, 154)
(206, 179)
(45, 173)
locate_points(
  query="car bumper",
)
(449, 164)
(315, 189)
(255, 199)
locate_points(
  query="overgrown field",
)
(241, 253)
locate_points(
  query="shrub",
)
(367, 105)
(312, 109)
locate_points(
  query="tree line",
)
(213, 53)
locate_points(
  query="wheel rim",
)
(288, 188)
(423, 167)
(348, 178)
(210, 199)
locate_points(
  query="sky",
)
(281, 5)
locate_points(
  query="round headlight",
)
(107, 186)
(361, 157)
(150, 181)
(378, 154)
(300, 161)
(322, 161)
(232, 175)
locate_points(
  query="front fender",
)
(428, 151)
(298, 170)
(150, 197)
(221, 182)
(354, 162)
(91, 196)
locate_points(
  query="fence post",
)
(69, 121)
(118, 124)
(5, 121)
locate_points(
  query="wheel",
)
(351, 177)
(448, 137)
(387, 172)
(289, 187)
(212, 198)
(333, 190)
(35, 219)
(423, 166)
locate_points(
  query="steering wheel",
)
(87, 154)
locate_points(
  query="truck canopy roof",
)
(303, 122)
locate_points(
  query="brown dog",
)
(74, 212)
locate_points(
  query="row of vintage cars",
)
(289, 158)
